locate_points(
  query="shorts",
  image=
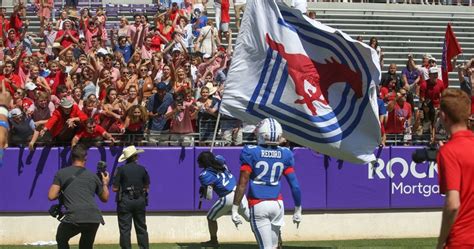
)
(181, 140)
(224, 206)
(266, 219)
(225, 27)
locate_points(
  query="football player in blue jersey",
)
(217, 175)
(262, 168)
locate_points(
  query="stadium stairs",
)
(400, 28)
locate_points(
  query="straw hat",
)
(129, 152)
(212, 88)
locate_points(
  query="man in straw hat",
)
(64, 122)
(132, 182)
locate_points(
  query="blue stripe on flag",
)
(260, 81)
(273, 74)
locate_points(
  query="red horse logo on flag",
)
(312, 79)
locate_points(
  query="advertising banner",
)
(349, 186)
(393, 182)
(412, 185)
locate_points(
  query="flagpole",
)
(215, 130)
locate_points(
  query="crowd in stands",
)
(158, 79)
(78, 81)
(409, 102)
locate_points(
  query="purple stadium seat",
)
(30, 8)
(111, 10)
(124, 8)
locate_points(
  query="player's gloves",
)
(297, 216)
(235, 215)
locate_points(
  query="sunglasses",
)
(126, 72)
(82, 64)
(19, 92)
(41, 62)
(143, 70)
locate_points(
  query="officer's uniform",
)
(131, 202)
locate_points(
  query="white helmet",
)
(269, 132)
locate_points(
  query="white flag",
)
(319, 83)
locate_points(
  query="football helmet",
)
(269, 132)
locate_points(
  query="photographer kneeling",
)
(77, 186)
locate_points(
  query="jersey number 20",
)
(275, 172)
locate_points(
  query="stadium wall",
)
(393, 198)
(189, 228)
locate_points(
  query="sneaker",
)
(210, 243)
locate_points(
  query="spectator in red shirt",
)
(91, 135)
(399, 112)
(157, 39)
(56, 76)
(12, 80)
(24, 69)
(388, 92)
(4, 22)
(456, 172)
(135, 122)
(67, 36)
(64, 122)
(432, 88)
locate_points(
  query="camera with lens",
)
(56, 211)
(425, 154)
(101, 168)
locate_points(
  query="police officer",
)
(131, 183)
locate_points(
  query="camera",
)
(56, 211)
(425, 154)
(101, 168)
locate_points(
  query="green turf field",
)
(371, 244)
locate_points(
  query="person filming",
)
(77, 187)
(456, 172)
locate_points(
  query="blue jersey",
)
(222, 182)
(267, 166)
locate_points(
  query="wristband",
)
(5, 125)
(4, 111)
(235, 209)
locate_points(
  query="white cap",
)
(15, 112)
(102, 51)
(206, 56)
(30, 86)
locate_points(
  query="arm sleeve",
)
(100, 130)
(246, 156)
(168, 100)
(295, 187)
(206, 178)
(52, 121)
(116, 179)
(449, 171)
(57, 179)
(82, 116)
(146, 179)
